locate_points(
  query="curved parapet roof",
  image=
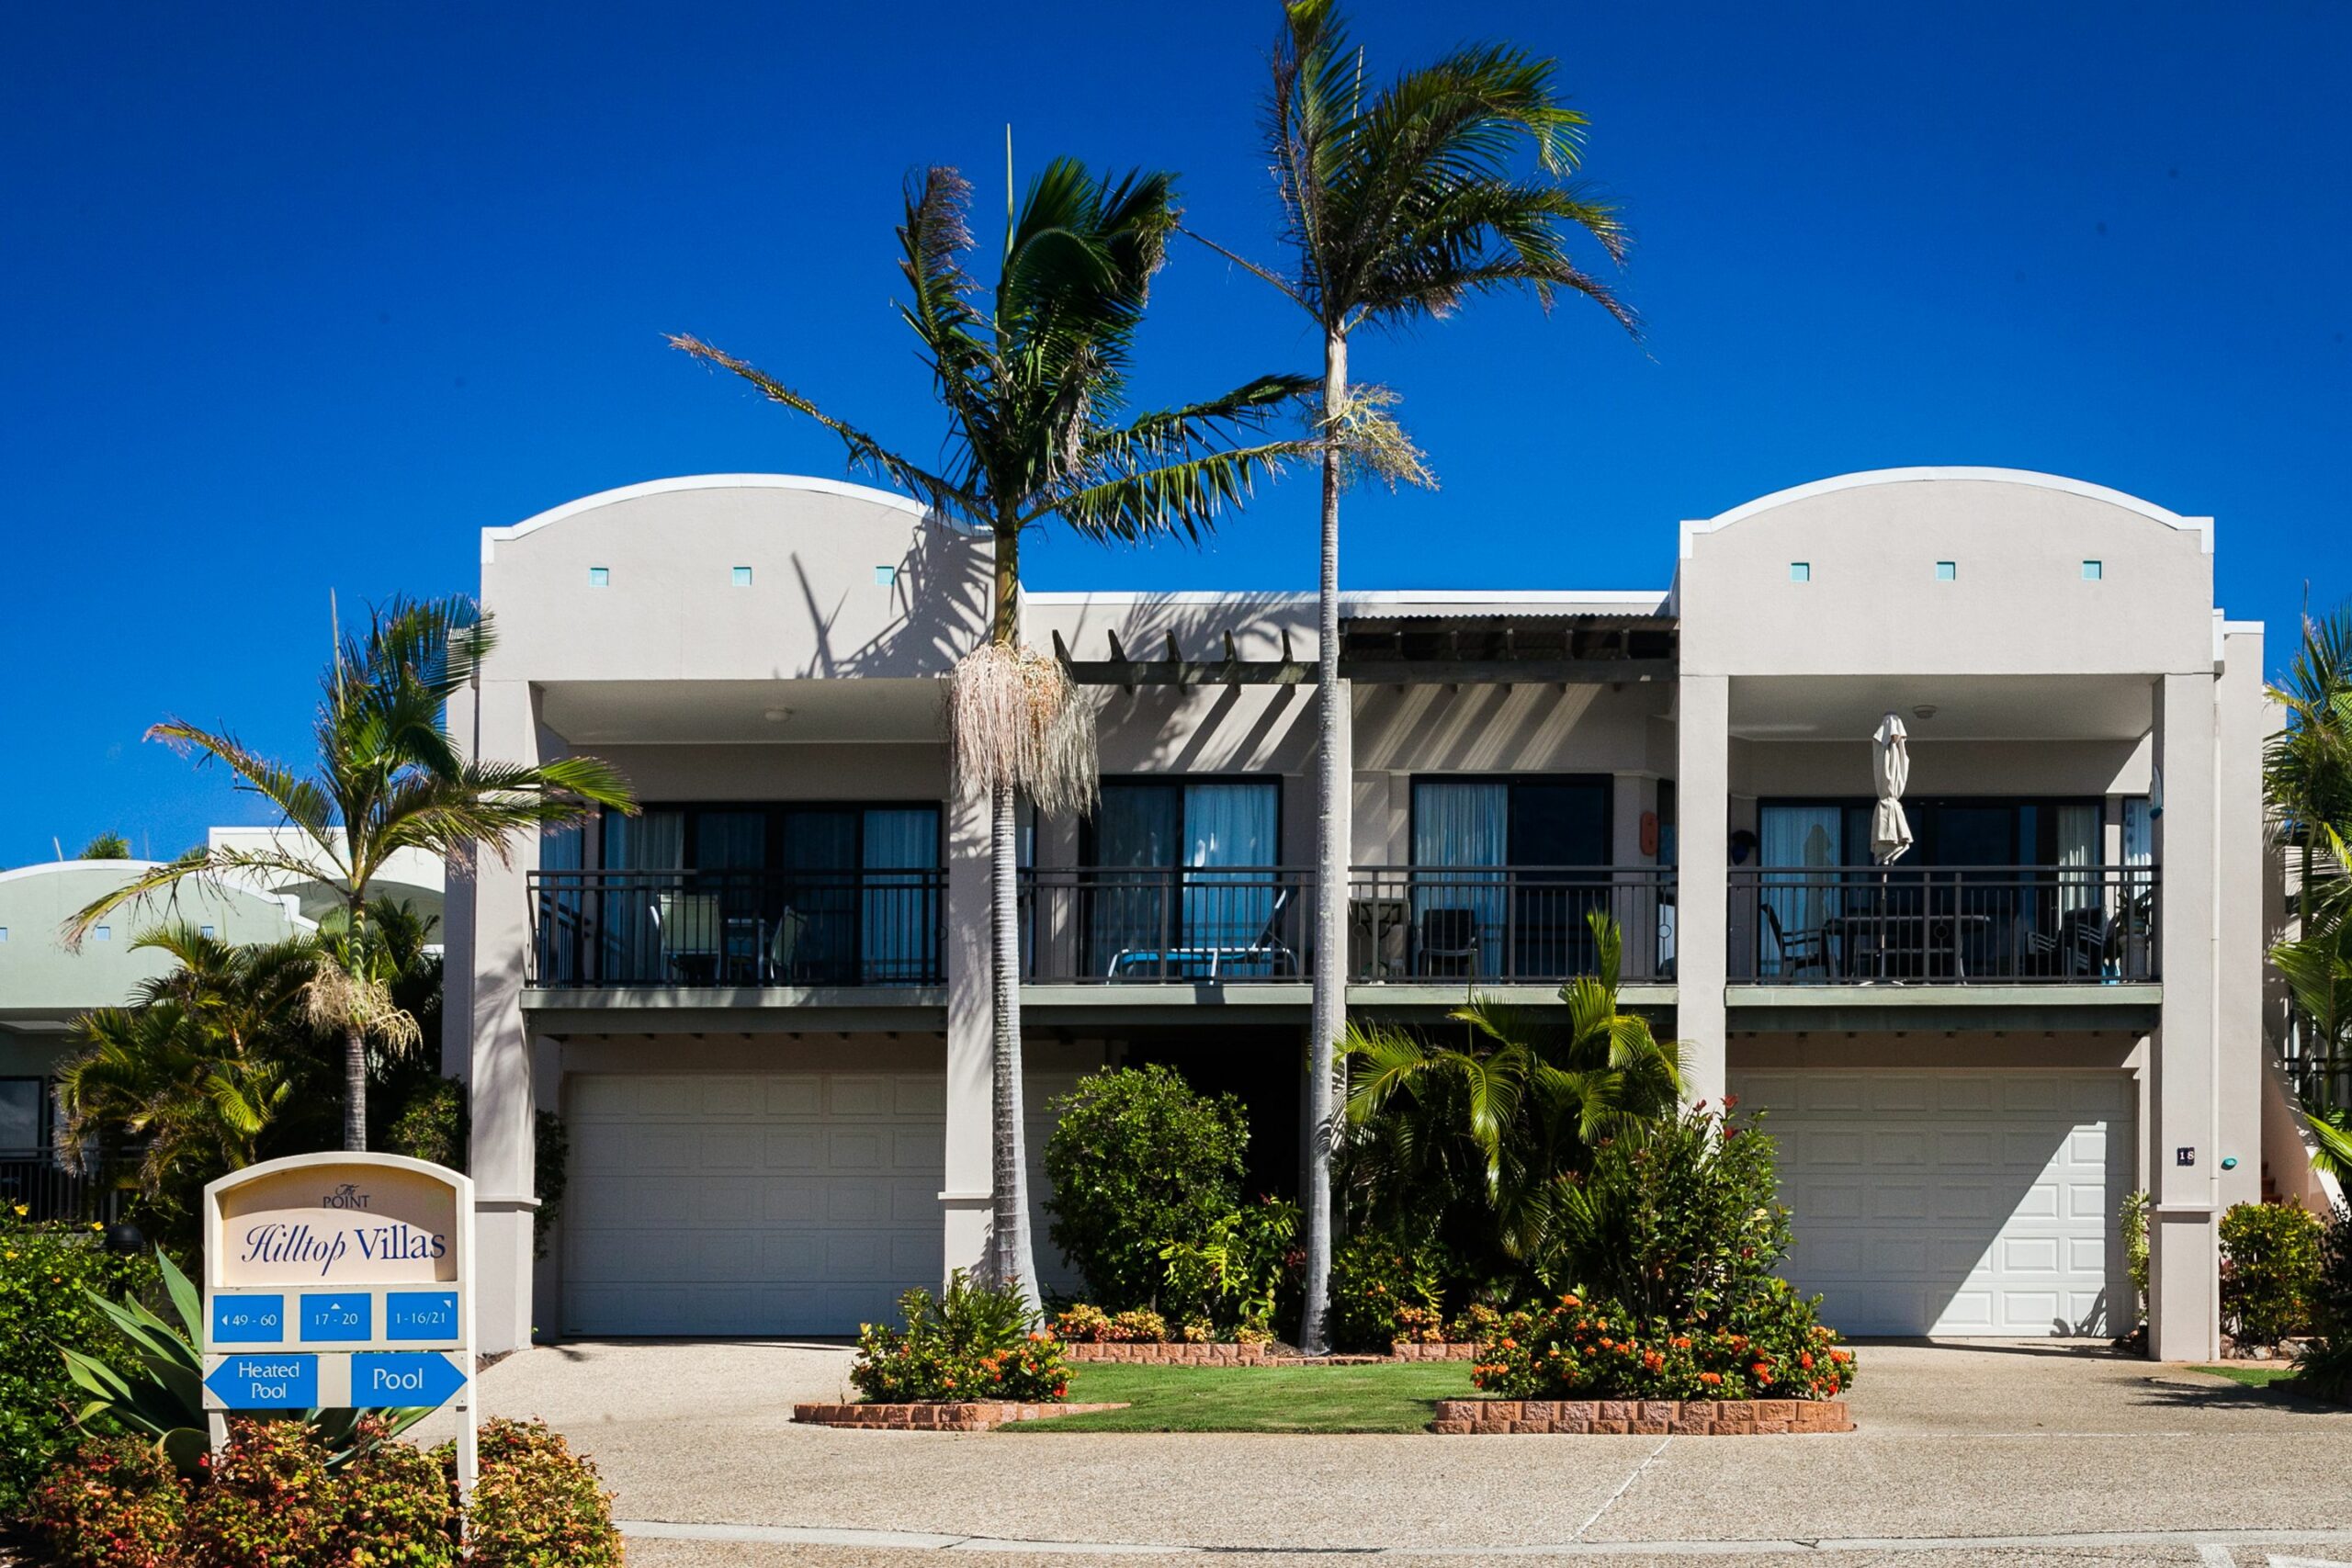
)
(491, 537)
(2202, 527)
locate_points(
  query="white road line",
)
(1622, 1485)
(2211, 1545)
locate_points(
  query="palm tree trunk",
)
(355, 1089)
(1330, 1013)
(1010, 1259)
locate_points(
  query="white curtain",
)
(1800, 849)
(652, 842)
(2078, 857)
(1460, 828)
(1229, 824)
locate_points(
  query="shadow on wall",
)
(939, 593)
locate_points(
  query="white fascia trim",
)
(2202, 527)
(1356, 602)
(52, 867)
(490, 537)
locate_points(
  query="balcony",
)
(1239, 925)
(1096, 926)
(737, 928)
(1945, 926)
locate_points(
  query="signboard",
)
(340, 1281)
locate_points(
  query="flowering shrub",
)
(267, 1502)
(2271, 1272)
(110, 1503)
(538, 1505)
(1579, 1349)
(972, 1342)
(2325, 1365)
(1374, 1278)
(400, 1506)
(46, 1273)
(1088, 1324)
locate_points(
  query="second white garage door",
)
(760, 1203)
(1954, 1203)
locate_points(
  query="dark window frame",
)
(1608, 782)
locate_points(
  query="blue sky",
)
(300, 297)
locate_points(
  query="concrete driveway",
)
(1967, 1453)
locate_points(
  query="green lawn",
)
(2252, 1377)
(1390, 1398)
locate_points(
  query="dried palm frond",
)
(1014, 716)
(1372, 443)
(337, 999)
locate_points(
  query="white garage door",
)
(769, 1203)
(1954, 1202)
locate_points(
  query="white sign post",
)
(340, 1281)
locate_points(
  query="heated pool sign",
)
(340, 1281)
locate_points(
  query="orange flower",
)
(1713, 1380)
(1806, 1360)
(1509, 1343)
(1682, 1342)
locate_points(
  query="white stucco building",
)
(761, 1004)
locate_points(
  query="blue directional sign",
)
(400, 1379)
(421, 1314)
(348, 1316)
(248, 1320)
(267, 1383)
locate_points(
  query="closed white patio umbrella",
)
(1891, 766)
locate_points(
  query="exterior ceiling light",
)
(1924, 712)
(776, 716)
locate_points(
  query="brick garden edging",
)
(972, 1417)
(1175, 1354)
(1679, 1417)
(1412, 1351)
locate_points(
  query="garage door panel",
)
(799, 1095)
(730, 1148)
(853, 1148)
(1953, 1203)
(793, 1147)
(849, 1095)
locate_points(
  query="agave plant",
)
(162, 1395)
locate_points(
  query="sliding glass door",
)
(1185, 881)
(1505, 871)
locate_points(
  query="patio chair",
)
(2078, 947)
(1448, 936)
(784, 942)
(686, 926)
(1806, 949)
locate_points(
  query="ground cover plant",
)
(973, 1341)
(1393, 1397)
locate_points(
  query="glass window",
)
(1946, 571)
(1800, 571)
(20, 1108)
(102, 933)
(599, 576)
(885, 576)
(742, 577)
(2093, 571)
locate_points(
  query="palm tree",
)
(1503, 1119)
(1032, 376)
(386, 778)
(2307, 766)
(1397, 206)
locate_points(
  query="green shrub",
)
(2271, 1272)
(47, 1272)
(2134, 1217)
(551, 1170)
(2325, 1364)
(398, 1507)
(1377, 1278)
(1139, 1160)
(1091, 1324)
(1770, 1348)
(432, 1125)
(109, 1502)
(1240, 1276)
(267, 1502)
(975, 1341)
(536, 1504)
(1680, 1221)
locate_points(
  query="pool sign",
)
(340, 1281)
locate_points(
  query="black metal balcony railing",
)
(47, 1192)
(1504, 924)
(1944, 925)
(737, 928)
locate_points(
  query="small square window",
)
(1800, 571)
(2093, 571)
(103, 933)
(599, 576)
(1946, 571)
(883, 576)
(3, 933)
(206, 931)
(742, 577)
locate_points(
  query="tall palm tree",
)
(1032, 374)
(1397, 206)
(386, 777)
(1511, 1112)
(2307, 766)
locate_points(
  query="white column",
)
(498, 1068)
(2242, 860)
(1703, 808)
(964, 1197)
(2184, 1307)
